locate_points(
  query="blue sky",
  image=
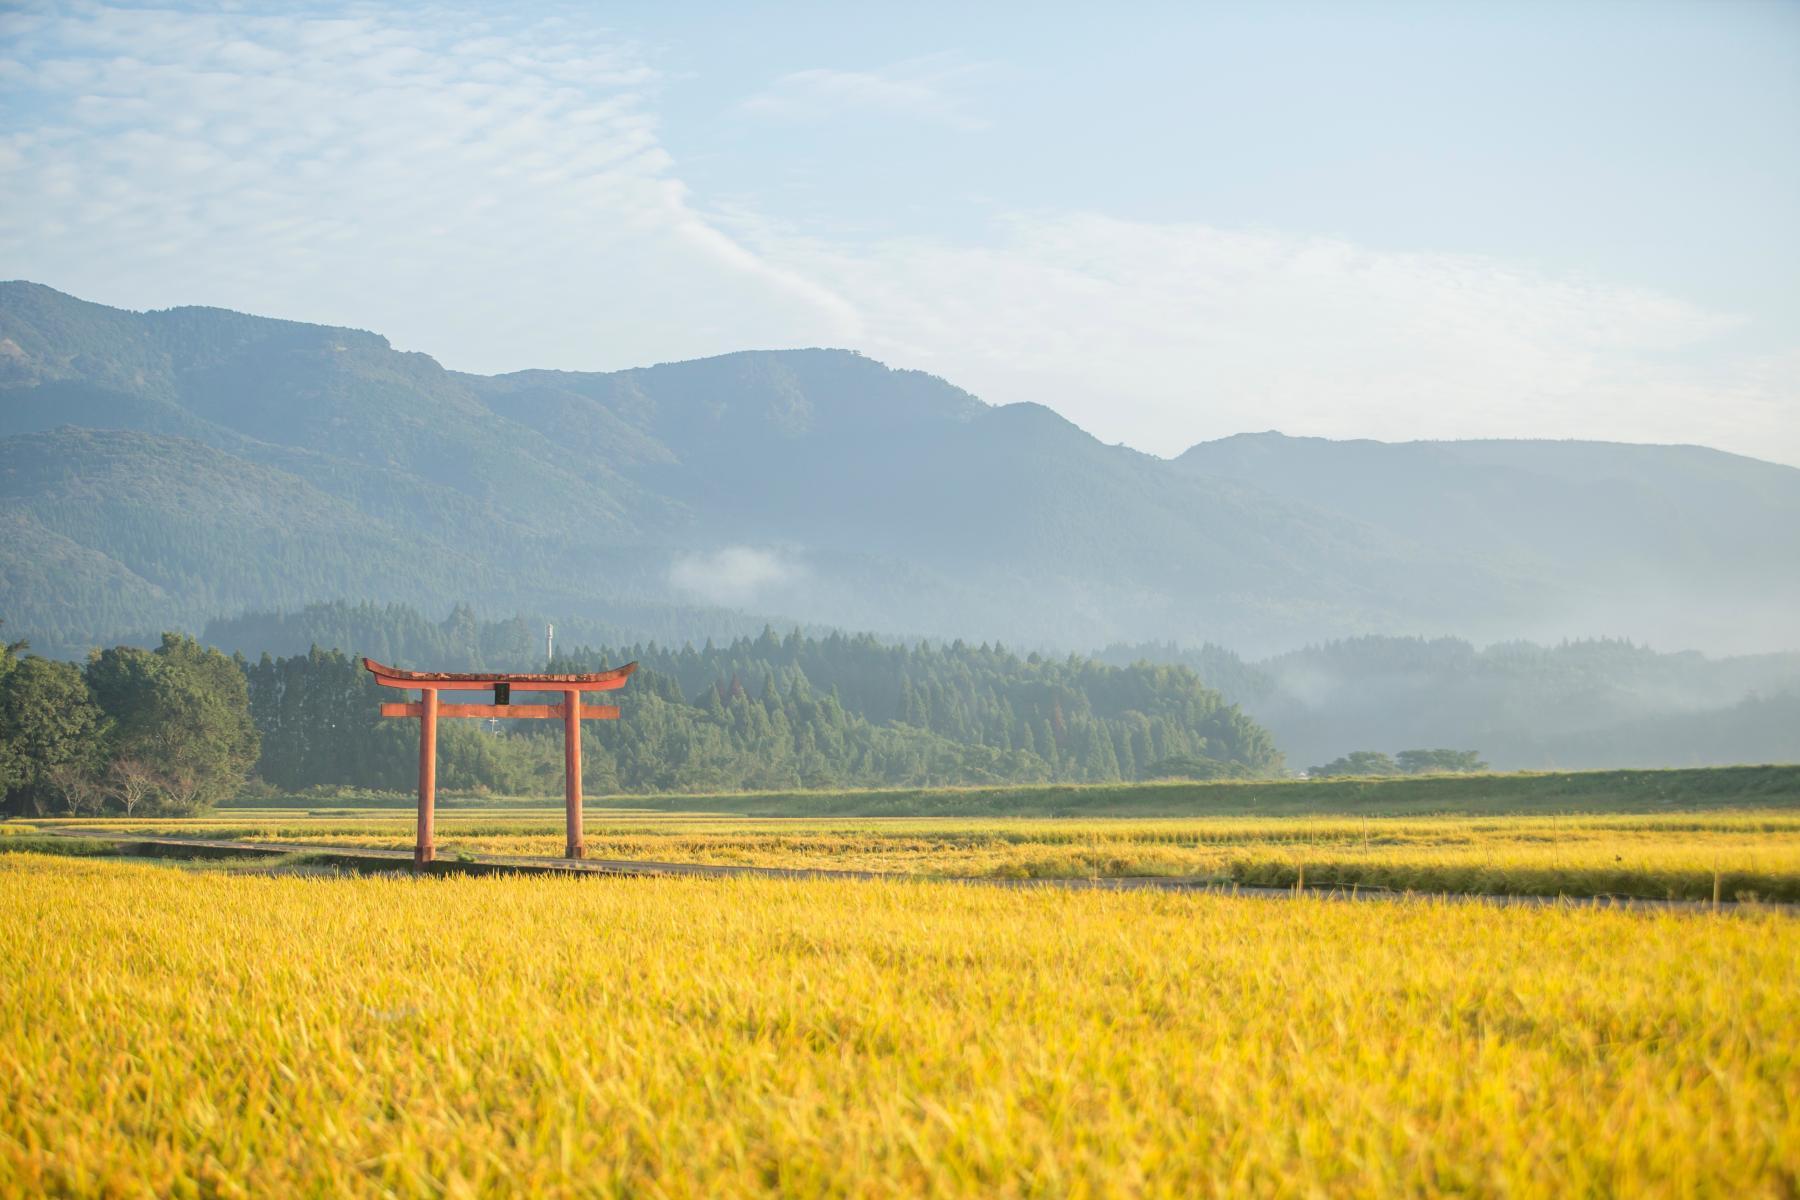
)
(1170, 223)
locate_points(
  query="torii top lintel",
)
(460, 681)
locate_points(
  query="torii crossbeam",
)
(428, 710)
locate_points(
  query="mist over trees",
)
(1594, 703)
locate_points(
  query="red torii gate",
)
(428, 710)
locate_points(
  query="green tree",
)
(10, 653)
(1432, 762)
(1358, 762)
(182, 709)
(52, 737)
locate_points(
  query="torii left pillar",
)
(575, 843)
(428, 710)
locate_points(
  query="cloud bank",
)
(734, 576)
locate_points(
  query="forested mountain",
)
(1601, 703)
(141, 532)
(168, 468)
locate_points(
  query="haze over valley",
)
(181, 468)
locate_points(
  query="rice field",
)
(1747, 854)
(180, 1033)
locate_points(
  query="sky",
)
(1170, 223)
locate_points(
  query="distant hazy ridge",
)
(161, 469)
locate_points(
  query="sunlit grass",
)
(171, 1033)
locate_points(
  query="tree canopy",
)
(51, 733)
(1407, 762)
(184, 710)
(168, 728)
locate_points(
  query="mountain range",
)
(161, 469)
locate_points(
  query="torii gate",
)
(428, 710)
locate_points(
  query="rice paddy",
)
(179, 1033)
(217, 1033)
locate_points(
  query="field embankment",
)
(1524, 792)
(1750, 855)
(1624, 791)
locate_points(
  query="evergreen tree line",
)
(777, 712)
(176, 728)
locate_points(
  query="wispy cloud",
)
(1160, 334)
(929, 88)
(481, 182)
(495, 192)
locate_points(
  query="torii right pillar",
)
(575, 844)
